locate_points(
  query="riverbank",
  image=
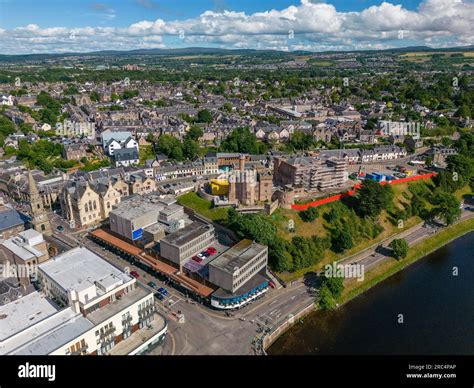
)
(384, 271)
(416, 252)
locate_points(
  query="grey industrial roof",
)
(187, 234)
(136, 207)
(237, 256)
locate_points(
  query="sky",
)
(56, 26)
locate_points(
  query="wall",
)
(271, 337)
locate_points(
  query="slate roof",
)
(125, 154)
(11, 217)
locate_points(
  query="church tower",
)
(40, 219)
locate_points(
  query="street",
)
(210, 332)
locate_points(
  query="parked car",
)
(135, 274)
(197, 259)
(271, 284)
(60, 228)
(163, 291)
(159, 296)
(211, 251)
(201, 256)
(152, 284)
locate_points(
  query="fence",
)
(337, 197)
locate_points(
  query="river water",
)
(437, 310)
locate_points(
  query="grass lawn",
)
(203, 207)
(354, 288)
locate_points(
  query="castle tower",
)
(40, 219)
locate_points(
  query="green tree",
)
(463, 111)
(195, 132)
(241, 140)
(190, 148)
(128, 94)
(325, 299)
(170, 146)
(446, 207)
(301, 141)
(341, 240)
(335, 284)
(94, 96)
(227, 107)
(372, 198)
(310, 214)
(204, 116)
(399, 248)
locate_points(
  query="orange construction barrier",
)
(337, 197)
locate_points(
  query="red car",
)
(211, 250)
(135, 274)
(271, 284)
(197, 259)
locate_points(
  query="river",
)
(437, 309)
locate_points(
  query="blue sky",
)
(82, 25)
(81, 13)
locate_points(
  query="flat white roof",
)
(80, 268)
(32, 325)
(21, 249)
(67, 326)
(22, 313)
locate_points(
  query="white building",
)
(7, 99)
(113, 140)
(87, 306)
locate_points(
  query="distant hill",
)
(220, 51)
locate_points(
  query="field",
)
(427, 56)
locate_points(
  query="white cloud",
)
(309, 25)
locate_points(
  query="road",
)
(210, 332)
(381, 253)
